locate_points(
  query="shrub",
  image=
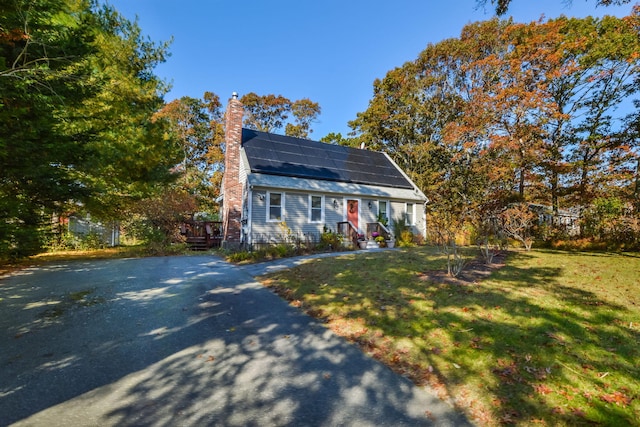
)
(239, 256)
(329, 240)
(398, 227)
(61, 242)
(283, 250)
(382, 219)
(583, 244)
(20, 239)
(402, 233)
(160, 217)
(406, 238)
(91, 240)
(600, 220)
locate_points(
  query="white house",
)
(271, 180)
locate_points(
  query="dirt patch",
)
(475, 271)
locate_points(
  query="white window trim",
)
(386, 213)
(282, 208)
(413, 213)
(310, 210)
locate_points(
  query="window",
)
(409, 216)
(383, 213)
(274, 208)
(316, 208)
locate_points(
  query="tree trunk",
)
(554, 192)
(521, 189)
(636, 193)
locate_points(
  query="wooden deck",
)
(202, 235)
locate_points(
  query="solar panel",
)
(289, 156)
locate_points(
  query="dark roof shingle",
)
(274, 154)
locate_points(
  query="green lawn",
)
(552, 338)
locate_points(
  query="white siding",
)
(296, 213)
(296, 208)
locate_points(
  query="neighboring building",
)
(566, 219)
(275, 184)
(83, 227)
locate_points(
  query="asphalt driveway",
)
(184, 341)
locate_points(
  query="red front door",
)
(352, 212)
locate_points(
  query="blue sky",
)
(329, 51)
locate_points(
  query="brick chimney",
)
(231, 185)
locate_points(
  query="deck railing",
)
(202, 235)
(349, 231)
(381, 229)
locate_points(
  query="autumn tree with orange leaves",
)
(269, 113)
(197, 125)
(539, 112)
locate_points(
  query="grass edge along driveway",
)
(552, 338)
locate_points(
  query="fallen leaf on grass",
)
(542, 389)
(499, 401)
(507, 371)
(510, 417)
(566, 394)
(588, 367)
(617, 397)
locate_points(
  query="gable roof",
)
(281, 155)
